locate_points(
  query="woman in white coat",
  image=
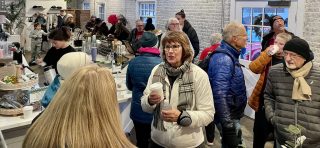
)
(187, 92)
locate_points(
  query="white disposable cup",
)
(275, 49)
(157, 87)
(166, 105)
(27, 112)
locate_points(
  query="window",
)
(256, 22)
(101, 12)
(86, 6)
(255, 14)
(146, 10)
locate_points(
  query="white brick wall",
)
(204, 15)
(312, 26)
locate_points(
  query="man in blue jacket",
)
(228, 85)
(138, 72)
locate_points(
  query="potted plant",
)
(14, 15)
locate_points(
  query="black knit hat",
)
(299, 46)
(148, 39)
(273, 19)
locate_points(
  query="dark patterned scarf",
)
(185, 78)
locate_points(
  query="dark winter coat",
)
(193, 37)
(139, 70)
(282, 111)
(227, 83)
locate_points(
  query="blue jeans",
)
(238, 131)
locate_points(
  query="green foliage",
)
(14, 15)
(295, 131)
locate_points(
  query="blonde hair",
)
(230, 30)
(285, 36)
(83, 113)
(181, 38)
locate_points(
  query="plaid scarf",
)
(185, 78)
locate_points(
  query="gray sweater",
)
(282, 111)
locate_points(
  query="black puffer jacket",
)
(193, 37)
(282, 111)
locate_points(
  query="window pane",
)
(246, 16)
(255, 50)
(248, 30)
(269, 12)
(257, 16)
(283, 12)
(256, 34)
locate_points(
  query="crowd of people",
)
(84, 112)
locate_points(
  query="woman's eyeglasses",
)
(173, 47)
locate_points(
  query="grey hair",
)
(169, 22)
(215, 38)
(230, 30)
(138, 20)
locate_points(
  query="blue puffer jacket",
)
(227, 83)
(139, 70)
(50, 92)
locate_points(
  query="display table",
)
(14, 128)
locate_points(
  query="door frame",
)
(295, 18)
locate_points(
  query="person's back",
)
(84, 113)
(139, 70)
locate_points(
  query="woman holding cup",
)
(186, 104)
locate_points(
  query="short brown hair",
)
(178, 37)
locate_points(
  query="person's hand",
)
(154, 98)
(171, 115)
(230, 136)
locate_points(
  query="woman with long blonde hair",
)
(83, 114)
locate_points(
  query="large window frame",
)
(147, 9)
(295, 14)
(86, 6)
(101, 13)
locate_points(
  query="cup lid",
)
(156, 86)
(28, 108)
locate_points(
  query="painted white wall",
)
(25, 41)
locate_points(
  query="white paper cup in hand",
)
(27, 112)
(157, 87)
(166, 105)
(274, 50)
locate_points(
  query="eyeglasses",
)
(173, 47)
(292, 55)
